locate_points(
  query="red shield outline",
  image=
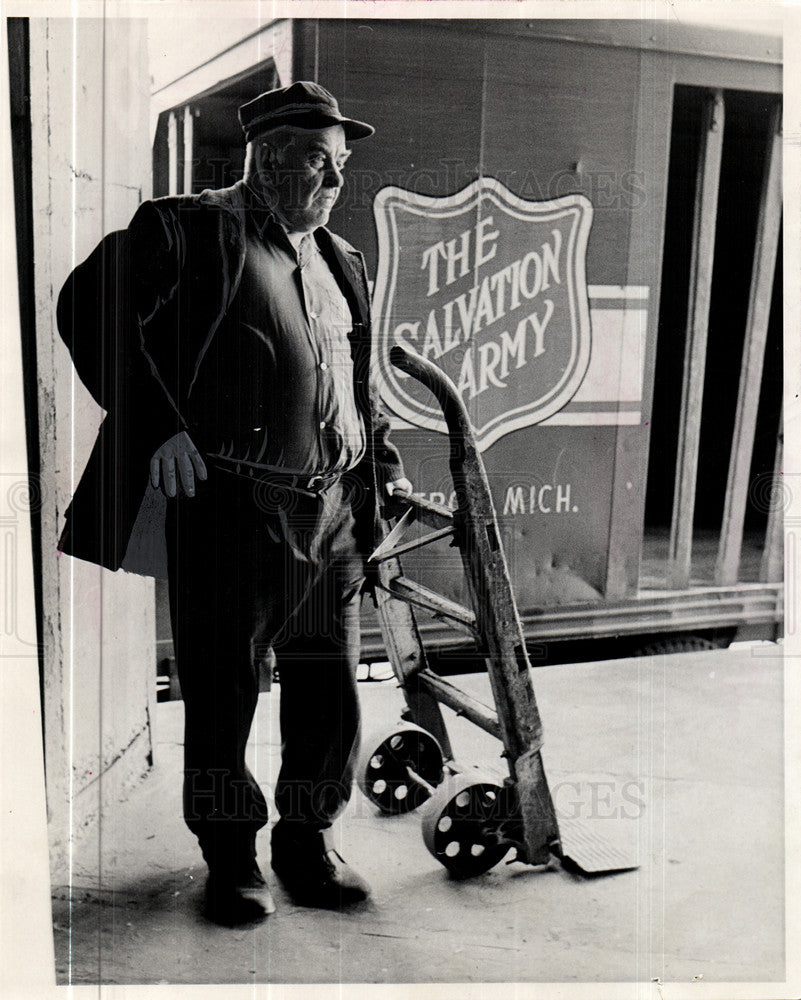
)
(395, 208)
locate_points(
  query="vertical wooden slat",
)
(172, 153)
(756, 335)
(692, 392)
(189, 141)
(772, 566)
(643, 267)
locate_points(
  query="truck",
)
(579, 221)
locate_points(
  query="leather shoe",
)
(233, 900)
(313, 873)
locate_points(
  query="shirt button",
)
(323, 366)
(312, 314)
(323, 425)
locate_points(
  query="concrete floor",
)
(678, 758)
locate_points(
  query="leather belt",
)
(299, 482)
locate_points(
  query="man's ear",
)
(265, 158)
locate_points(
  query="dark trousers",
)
(253, 567)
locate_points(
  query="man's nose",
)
(333, 176)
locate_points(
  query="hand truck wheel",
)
(462, 825)
(399, 769)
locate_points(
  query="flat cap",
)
(303, 104)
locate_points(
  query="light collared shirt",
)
(276, 387)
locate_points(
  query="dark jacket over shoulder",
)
(138, 317)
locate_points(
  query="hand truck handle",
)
(467, 469)
(435, 379)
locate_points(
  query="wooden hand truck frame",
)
(470, 822)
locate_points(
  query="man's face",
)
(308, 179)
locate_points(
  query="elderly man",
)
(238, 340)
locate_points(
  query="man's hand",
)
(399, 486)
(180, 451)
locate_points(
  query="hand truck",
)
(470, 819)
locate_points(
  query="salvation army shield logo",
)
(492, 289)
